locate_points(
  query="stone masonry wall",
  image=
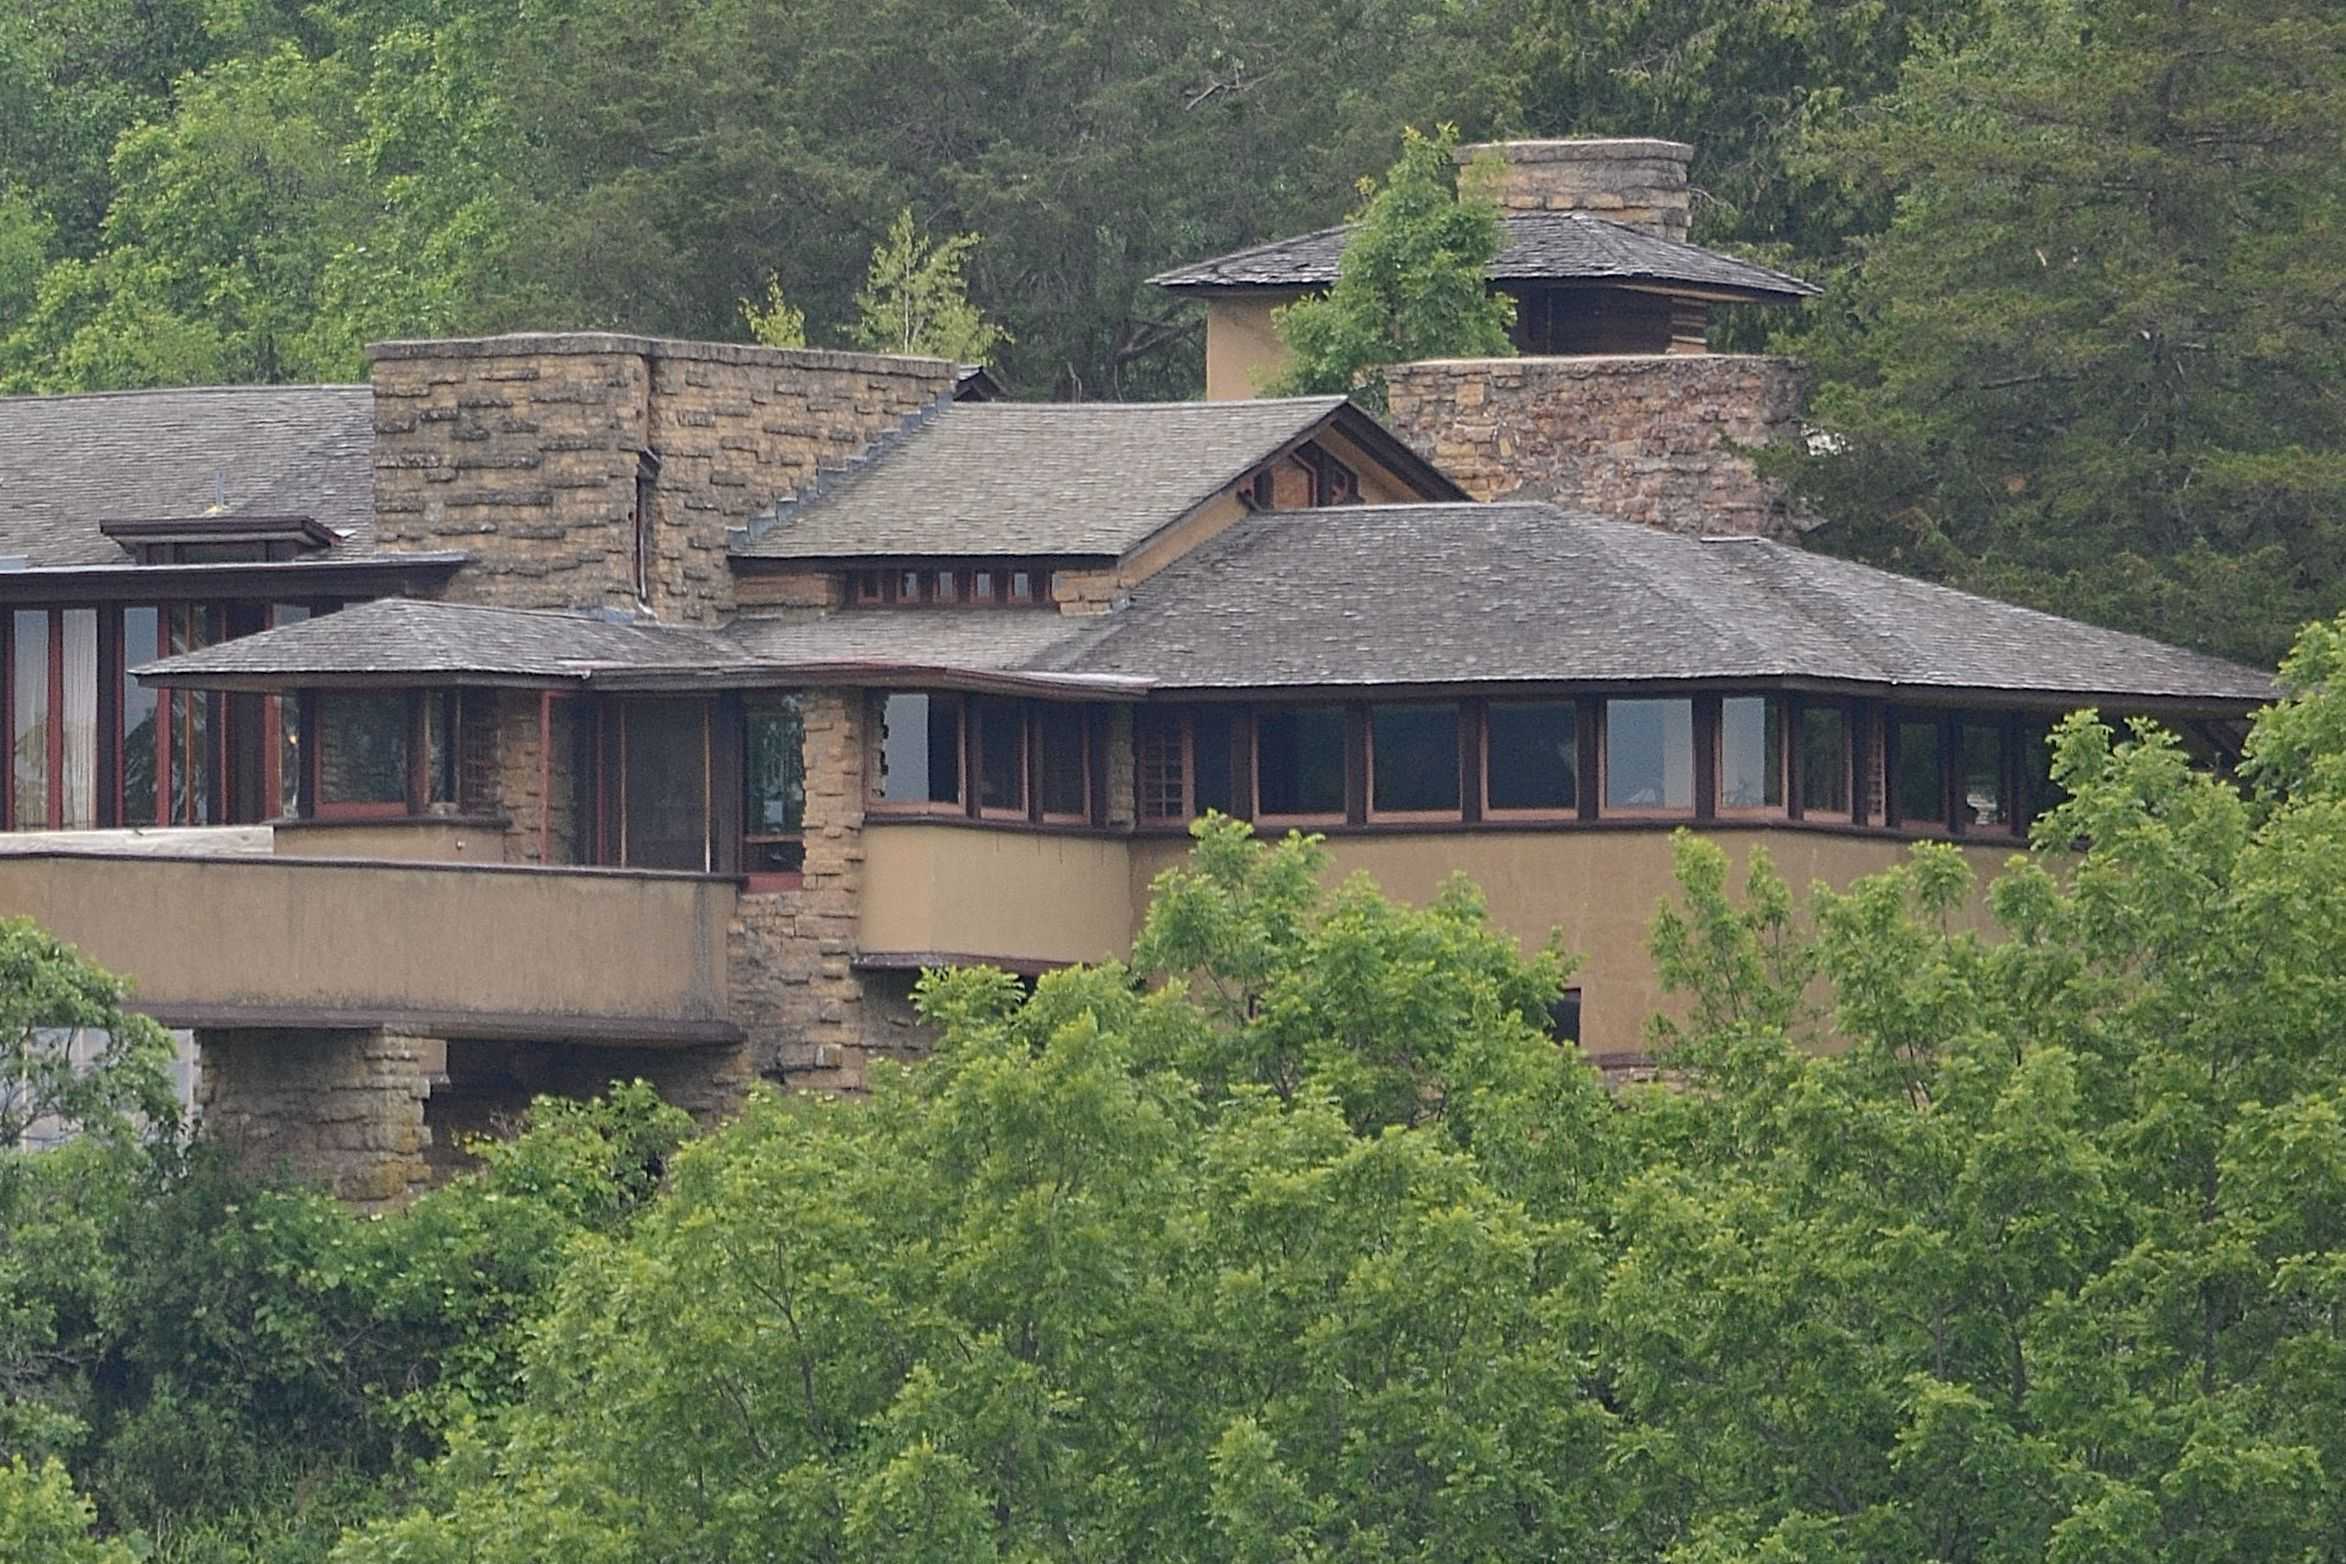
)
(794, 984)
(524, 451)
(1634, 180)
(342, 1109)
(1649, 438)
(738, 428)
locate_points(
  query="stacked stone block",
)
(1637, 181)
(341, 1109)
(524, 451)
(1660, 439)
(794, 983)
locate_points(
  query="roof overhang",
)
(1965, 697)
(375, 575)
(769, 564)
(301, 531)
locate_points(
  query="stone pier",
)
(340, 1109)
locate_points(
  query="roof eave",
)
(128, 581)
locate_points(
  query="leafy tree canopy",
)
(1411, 284)
(914, 299)
(2092, 362)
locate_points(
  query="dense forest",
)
(2082, 344)
(1296, 1238)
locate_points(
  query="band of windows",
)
(1316, 765)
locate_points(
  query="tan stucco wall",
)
(437, 841)
(1019, 896)
(1599, 888)
(379, 938)
(1243, 350)
(1009, 895)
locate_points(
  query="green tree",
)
(49, 996)
(41, 1517)
(773, 321)
(2089, 364)
(1411, 284)
(1054, 1296)
(914, 299)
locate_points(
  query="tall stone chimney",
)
(1636, 181)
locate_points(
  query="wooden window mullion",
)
(1706, 757)
(1356, 763)
(1795, 740)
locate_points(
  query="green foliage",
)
(1050, 1295)
(772, 321)
(1987, 1224)
(42, 1518)
(915, 301)
(1411, 284)
(2085, 365)
(48, 992)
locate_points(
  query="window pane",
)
(2038, 791)
(1922, 795)
(774, 787)
(79, 729)
(776, 759)
(920, 750)
(1751, 752)
(362, 749)
(1299, 760)
(29, 742)
(1161, 765)
(1001, 726)
(140, 627)
(1649, 754)
(189, 718)
(288, 722)
(1209, 753)
(1984, 804)
(1415, 749)
(1534, 753)
(1824, 760)
(665, 784)
(440, 747)
(1066, 789)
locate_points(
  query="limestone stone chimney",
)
(1637, 181)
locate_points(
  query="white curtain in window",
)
(80, 725)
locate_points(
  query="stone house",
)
(558, 707)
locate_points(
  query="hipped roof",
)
(69, 463)
(1353, 598)
(1555, 247)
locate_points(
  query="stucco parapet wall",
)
(527, 344)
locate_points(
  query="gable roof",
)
(1533, 247)
(1051, 479)
(1438, 594)
(68, 463)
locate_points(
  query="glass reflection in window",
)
(1649, 755)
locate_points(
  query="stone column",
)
(340, 1109)
(794, 984)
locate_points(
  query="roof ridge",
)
(1232, 403)
(142, 391)
(1252, 249)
